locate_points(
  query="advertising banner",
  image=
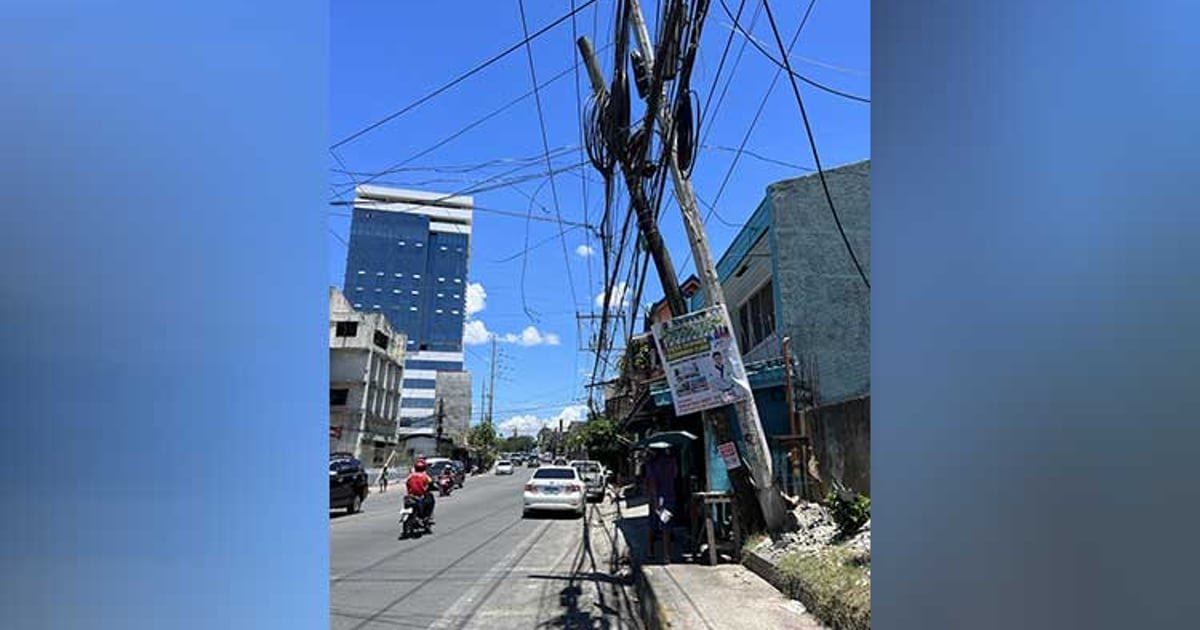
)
(701, 358)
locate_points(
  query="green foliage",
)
(849, 510)
(599, 437)
(518, 444)
(832, 584)
(482, 439)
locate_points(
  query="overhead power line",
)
(812, 143)
(537, 97)
(460, 78)
(786, 65)
(469, 126)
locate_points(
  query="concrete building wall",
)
(822, 301)
(454, 389)
(366, 367)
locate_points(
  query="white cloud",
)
(531, 336)
(619, 299)
(476, 298)
(529, 424)
(585, 250)
(476, 333)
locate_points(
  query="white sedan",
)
(557, 488)
(504, 467)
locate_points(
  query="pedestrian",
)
(383, 480)
(661, 472)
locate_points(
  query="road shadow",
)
(606, 611)
(636, 532)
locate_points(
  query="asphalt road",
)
(484, 566)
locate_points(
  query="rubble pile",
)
(817, 531)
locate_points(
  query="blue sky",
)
(385, 55)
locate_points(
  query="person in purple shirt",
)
(661, 472)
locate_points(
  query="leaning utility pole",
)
(770, 499)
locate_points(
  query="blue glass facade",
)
(414, 276)
(407, 259)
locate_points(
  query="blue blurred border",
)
(1034, 318)
(164, 315)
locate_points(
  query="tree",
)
(482, 440)
(600, 437)
(518, 444)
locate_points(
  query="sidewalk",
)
(687, 595)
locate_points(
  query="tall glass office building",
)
(408, 260)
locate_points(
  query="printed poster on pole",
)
(703, 365)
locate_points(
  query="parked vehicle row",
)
(349, 484)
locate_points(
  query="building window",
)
(416, 292)
(420, 244)
(457, 281)
(378, 289)
(397, 291)
(457, 296)
(454, 312)
(441, 295)
(362, 272)
(358, 288)
(399, 275)
(441, 279)
(416, 276)
(401, 243)
(375, 306)
(357, 305)
(347, 329)
(757, 317)
(381, 340)
(338, 396)
(438, 311)
(443, 248)
(379, 273)
(412, 308)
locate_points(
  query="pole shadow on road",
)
(584, 570)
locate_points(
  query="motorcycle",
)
(446, 486)
(411, 523)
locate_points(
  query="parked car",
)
(533, 463)
(558, 488)
(593, 475)
(437, 465)
(347, 483)
(504, 467)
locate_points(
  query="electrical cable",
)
(546, 146)
(813, 145)
(788, 66)
(462, 77)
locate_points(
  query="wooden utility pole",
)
(646, 220)
(770, 499)
(441, 422)
(492, 384)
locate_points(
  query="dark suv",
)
(347, 483)
(436, 466)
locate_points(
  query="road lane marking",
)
(465, 604)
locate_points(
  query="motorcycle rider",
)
(447, 478)
(418, 485)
